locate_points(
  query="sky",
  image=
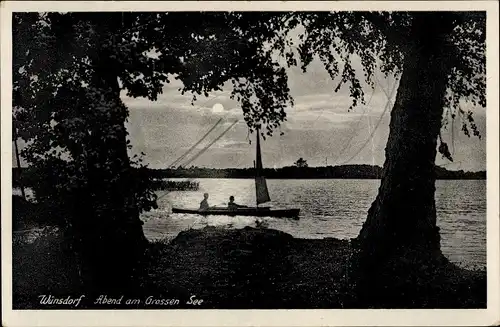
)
(319, 128)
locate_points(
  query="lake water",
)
(329, 208)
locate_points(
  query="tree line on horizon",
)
(287, 172)
(294, 172)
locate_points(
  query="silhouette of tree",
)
(69, 71)
(440, 58)
(301, 163)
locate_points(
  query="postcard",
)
(250, 163)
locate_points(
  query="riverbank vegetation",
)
(250, 268)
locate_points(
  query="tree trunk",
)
(403, 216)
(112, 240)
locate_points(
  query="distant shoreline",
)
(293, 172)
(290, 172)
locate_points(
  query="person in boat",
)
(233, 205)
(204, 203)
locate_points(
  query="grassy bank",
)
(249, 268)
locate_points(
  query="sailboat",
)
(261, 195)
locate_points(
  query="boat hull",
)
(255, 212)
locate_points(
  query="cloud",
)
(173, 98)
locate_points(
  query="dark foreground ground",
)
(248, 268)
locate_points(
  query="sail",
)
(261, 192)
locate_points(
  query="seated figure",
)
(204, 203)
(232, 205)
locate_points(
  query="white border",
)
(436, 317)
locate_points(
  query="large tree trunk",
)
(112, 241)
(403, 216)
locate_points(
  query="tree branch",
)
(391, 33)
